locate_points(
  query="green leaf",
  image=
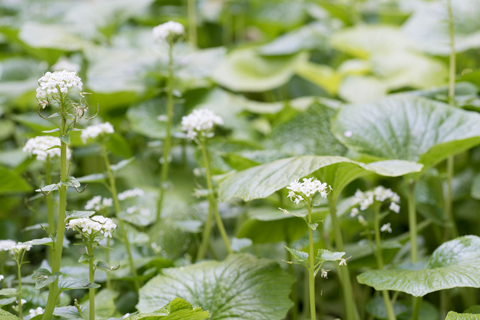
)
(452, 315)
(261, 181)
(246, 70)
(49, 188)
(78, 214)
(44, 277)
(69, 312)
(7, 301)
(376, 308)
(118, 145)
(144, 119)
(322, 75)
(327, 255)
(32, 34)
(38, 242)
(454, 264)
(7, 316)
(475, 192)
(85, 258)
(65, 139)
(12, 183)
(8, 292)
(104, 304)
(178, 309)
(407, 128)
(95, 177)
(122, 164)
(242, 284)
(297, 254)
(70, 283)
(102, 265)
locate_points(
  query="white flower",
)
(386, 228)
(300, 191)
(40, 147)
(57, 82)
(343, 262)
(97, 203)
(200, 121)
(35, 312)
(324, 273)
(126, 316)
(96, 130)
(136, 192)
(362, 220)
(380, 194)
(93, 226)
(2, 277)
(394, 207)
(348, 134)
(161, 32)
(5, 245)
(64, 64)
(354, 212)
(23, 301)
(19, 247)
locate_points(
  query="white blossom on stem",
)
(379, 194)
(35, 312)
(97, 130)
(300, 191)
(43, 147)
(171, 28)
(98, 203)
(200, 121)
(386, 228)
(57, 82)
(94, 226)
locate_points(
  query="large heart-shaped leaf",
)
(455, 263)
(7, 316)
(241, 287)
(246, 70)
(452, 315)
(407, 128)
(178, 309)
(261, 181)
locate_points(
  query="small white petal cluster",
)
(92, 132)
(23, 301)
(386, 228)
(98, 203)
(94, 226)
(300, 191)
(35, 312)
(380, 194)
(5, 245)
(324, 273)
(136, 192)
(13, 247)
(162, 32)
(200, 121)
(1, 277)
(343, 262)
(126, 316)
(56, 82)
(39, 146)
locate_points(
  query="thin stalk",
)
(350, 306)
(451, 229)
(113, 190)
(294, 310)
(386, 296)
(19, 271)
(50, 206)
(311, 269)
(168, 138)
(213, 201)
(417, 303)
(2, 268)
(207, 230)
(107, 258)
(192, 23)
(412, 220)
(91, 291)
(54, 291)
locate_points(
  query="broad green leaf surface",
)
(241, 287)
(356, 88)
(403, 309)
(428, 26)
(452, 315)
(178, 309)
(69, 312)
(261, 181)
(12, 183)
(246, 70)
(4, 315)
(455, 263)
(104, 304)
(322, 75)
(407, 128)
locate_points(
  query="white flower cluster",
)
(200, 121)
(300, 191)
(13, 247)
(380, 194)
(96, 130)
(58, 81)
(386, 228)
(5, 245)
(93, 226)
(163, 31)
(40, 146)
(2, 277)
(35, 312)
(136, 192)
(98, 203)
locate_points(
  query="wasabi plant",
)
(93, 230)
(167, 34)
(199, 127)
(303, 193)
(100, 132)
(377, 200)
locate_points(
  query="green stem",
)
(91, 291)
(451, 228)
(113, 189)
(412, 219)
(50, 206)
(417, 303)
(192, 23)
(19, 271)
(207, 230)
(107, 258)
(350, 306)
(54, 291)
(213, 201)
(311, 269)
(386, 297)
(168, 138)
(294, 310)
